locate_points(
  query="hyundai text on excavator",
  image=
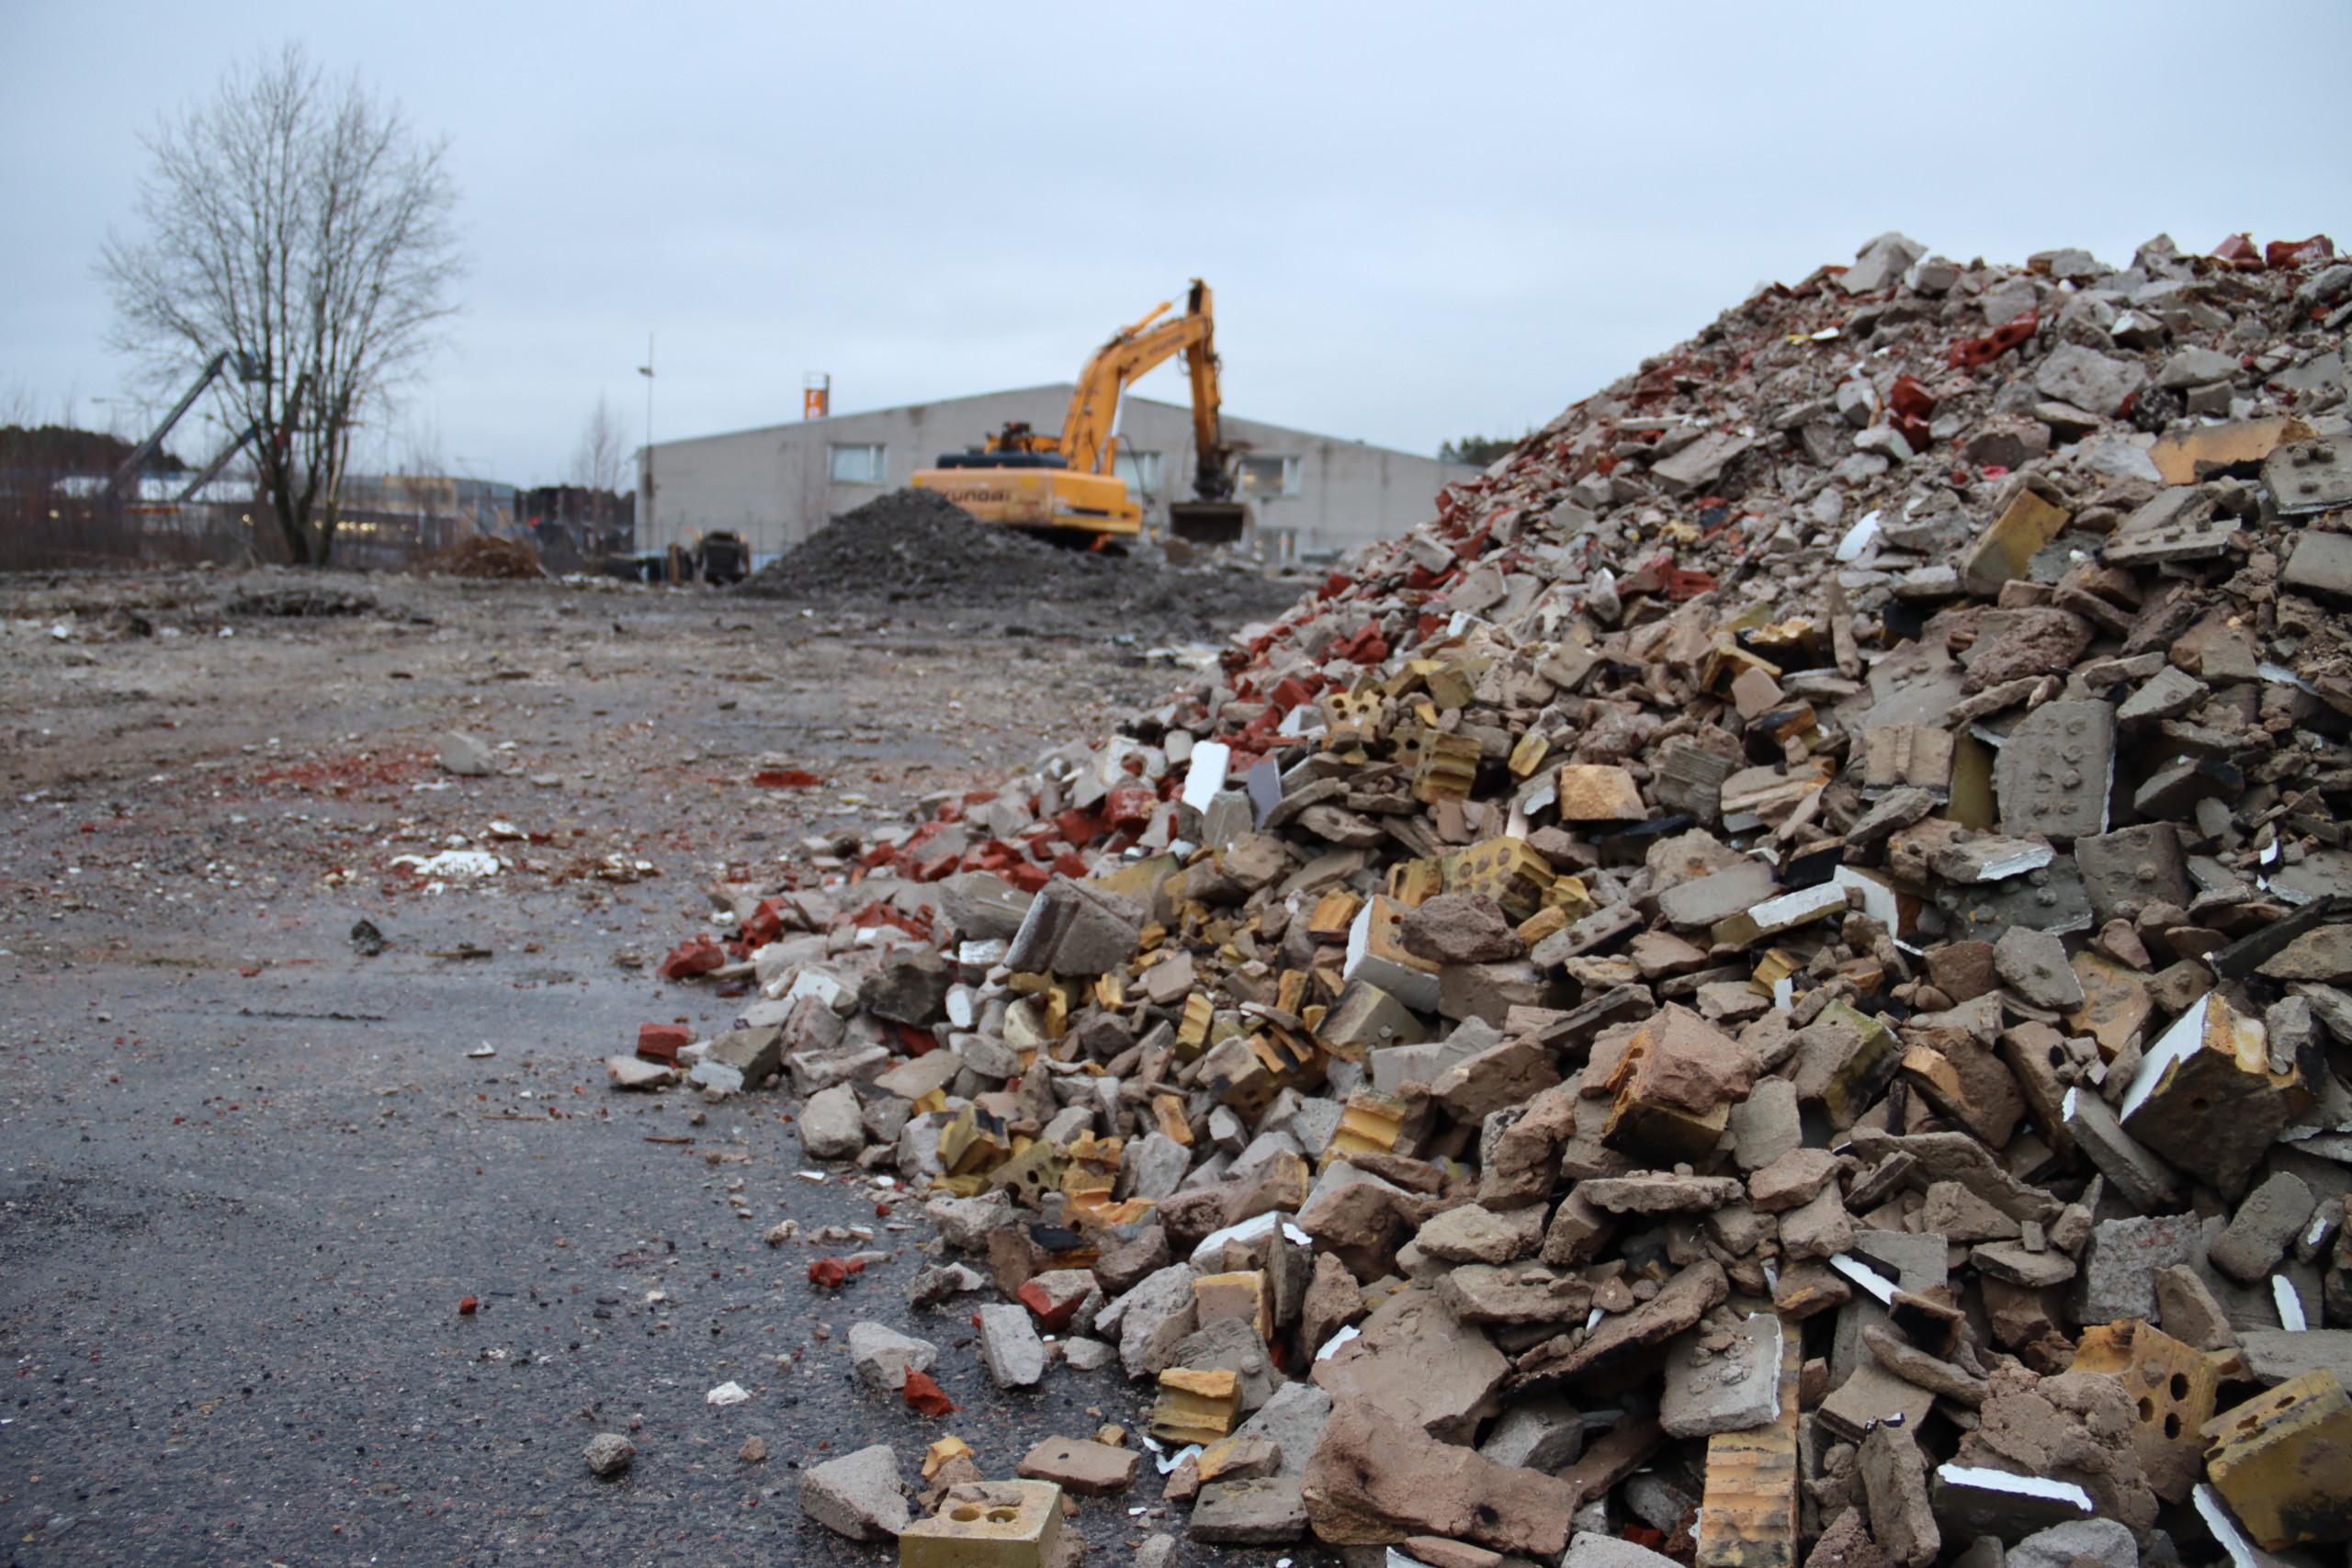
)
(1068, 485)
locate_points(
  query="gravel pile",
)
(913, 551)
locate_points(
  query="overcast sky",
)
(1421, 220)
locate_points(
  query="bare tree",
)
(603, 450)
(300, 226)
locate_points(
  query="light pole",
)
(645, 508)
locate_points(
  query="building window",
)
(1266, 476)
(1141, 470)
(857, 464)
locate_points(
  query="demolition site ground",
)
(250, 1172)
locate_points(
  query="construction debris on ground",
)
(912, 549)
(1773, 986)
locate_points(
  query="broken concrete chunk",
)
(859, 1494)
(1728, 1389)
(2188, 1313)
(2257, 1234)
(609, 1453)
(2057, 771)
(2035, 963)
(1653, 1193)
(1373, 1480)
(883, 1357)
(1681, 1302)
(2100, 1543)
(1420, 1366)
(2205, 1098)
(1545, 1433)
(833, 1124)
(1894, 1480)
(1087, 1468)
(1075, 927)
(1010, 1347)
(1264, 1512)
(1472, 1235)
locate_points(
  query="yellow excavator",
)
(1068, 486)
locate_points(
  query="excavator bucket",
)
(1209, 521)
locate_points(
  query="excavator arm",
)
(1088, 439)
(1070, 480)
(1212, 458)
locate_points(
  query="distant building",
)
(779, 484)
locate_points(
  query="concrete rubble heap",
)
(1773, 986)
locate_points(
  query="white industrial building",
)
(779, 484)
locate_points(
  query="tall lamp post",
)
(644, 511)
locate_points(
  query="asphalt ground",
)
(248, 1174)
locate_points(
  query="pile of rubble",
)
(913, 550)
(1767, 988)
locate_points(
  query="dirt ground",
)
(249, 1170)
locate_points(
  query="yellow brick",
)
(1591, 792)
(2006, 548)
(1349, 720)
(1167, 1109)
(1289, 990)
(1505, 870)
(1571, 898)
(1449, 767)
(1542, 923)
(973, 1144)
(1369, 1125)
(2173, 1388)
(940, 1453)
(1195, 1407)
(1334, 913)
(1414, 883)
(1194, 1031)
(994, 1524)
(2284, 1461)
